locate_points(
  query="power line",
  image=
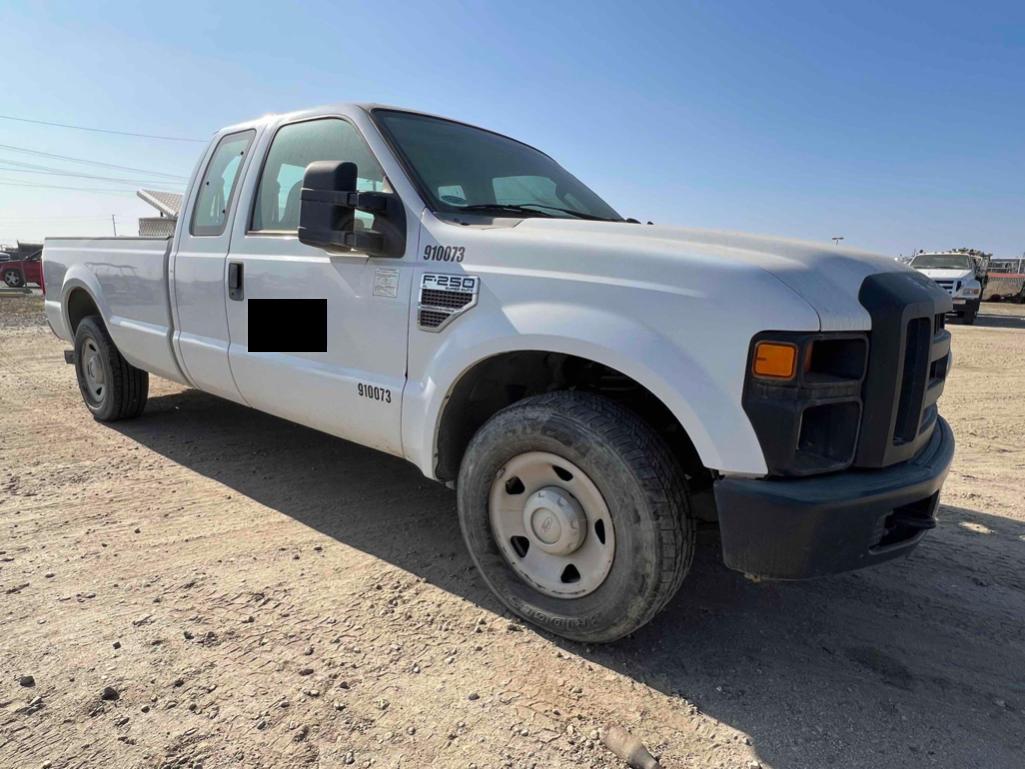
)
(89, 162)
(15, 183)
(54, 172)
(104, 217)
(103, 130)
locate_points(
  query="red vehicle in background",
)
(22, 265)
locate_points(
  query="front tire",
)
(111, 387)
(971, 311)
(576, 514)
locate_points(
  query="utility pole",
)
(836, 239)
(114, 223)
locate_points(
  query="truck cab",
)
(590, 386)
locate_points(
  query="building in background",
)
(169, 205)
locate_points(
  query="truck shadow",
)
(992, 320)
(915, 663)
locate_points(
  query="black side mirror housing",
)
(327, 213)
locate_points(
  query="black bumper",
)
(968, 305)
(809, 527)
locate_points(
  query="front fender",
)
(710, 413)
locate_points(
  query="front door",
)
(317, 338)
(197, 271)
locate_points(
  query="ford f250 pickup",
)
(591, 386)
(962, 275)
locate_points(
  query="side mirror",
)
(327, 213)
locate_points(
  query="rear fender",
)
(78, 277)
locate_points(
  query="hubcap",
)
(552, 525)
(92, 370)
(556, 520)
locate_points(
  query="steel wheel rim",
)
(552, 525)
(92, 370)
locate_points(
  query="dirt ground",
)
(256, 594)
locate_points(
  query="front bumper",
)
(962, 303)
(810, 527)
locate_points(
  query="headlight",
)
(803, 397)
(970, 291)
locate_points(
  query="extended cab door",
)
(198, 272)
(316, 338)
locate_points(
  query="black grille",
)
(912, 385)
(908, 355)
(452, 300)
(432, 318)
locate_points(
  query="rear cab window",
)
(217, 188)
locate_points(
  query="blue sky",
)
(898, 125)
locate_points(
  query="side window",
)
(297, 145)
(218, 185)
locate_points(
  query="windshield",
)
(942, 262)
(458, 167)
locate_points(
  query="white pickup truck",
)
(960, 274)
(590, 385)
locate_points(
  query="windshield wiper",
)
(529, 208)
(502, 208)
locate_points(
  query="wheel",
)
(971, 310)
(14, 279)
(576, 514)
(111, 387)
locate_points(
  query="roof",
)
(167, 203)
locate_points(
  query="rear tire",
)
(14, 279)
(643, 497)
(111, 387)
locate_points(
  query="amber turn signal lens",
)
(775, 360)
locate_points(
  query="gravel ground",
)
(208, 586)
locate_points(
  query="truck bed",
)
(128, 278)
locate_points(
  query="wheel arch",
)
(81, 297)
(698, 383)
(79, 305)
(504, 378)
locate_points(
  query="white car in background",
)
(958, 275)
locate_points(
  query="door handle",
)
(235, 281)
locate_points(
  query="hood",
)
(826, 277)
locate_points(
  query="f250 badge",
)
(443, 297)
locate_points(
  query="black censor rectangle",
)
(288, 325)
